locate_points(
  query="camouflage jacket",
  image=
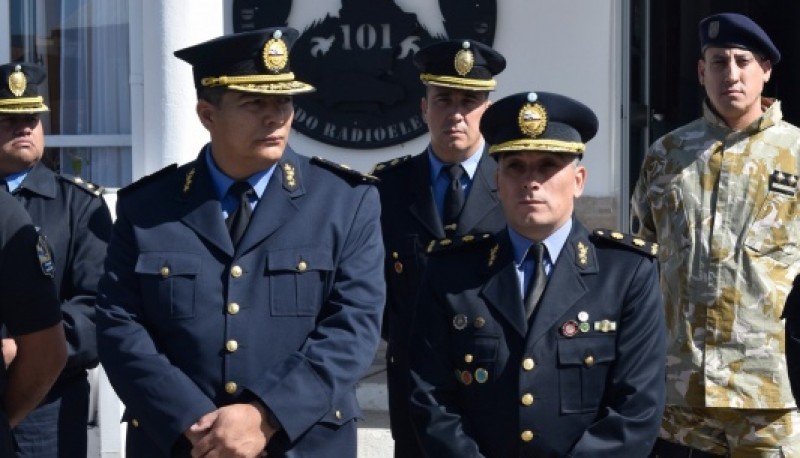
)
(728, 254)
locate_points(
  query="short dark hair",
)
(211, 94)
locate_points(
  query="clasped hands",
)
(236, 431)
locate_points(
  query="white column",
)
(165, 128)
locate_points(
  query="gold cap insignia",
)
(17, 81)
(464, 59)
(713, 29)
(532, 117)
(275, 54)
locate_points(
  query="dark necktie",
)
(453, 197)
(539, 280)
(237, 221)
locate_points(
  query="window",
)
(83, 45)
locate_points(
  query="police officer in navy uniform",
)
(544, 340)
(791, 313)
(29, 309)
(243, 292)
(416, 208)
(75, 223)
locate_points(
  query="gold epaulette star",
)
(448, 244)
(639, 244)
(386, 165)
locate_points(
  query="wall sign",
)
(358, 54)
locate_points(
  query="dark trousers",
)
(57, 427)
(399, 385)
(666, 449)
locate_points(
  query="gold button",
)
(589, 360)
(233, 308)
(528, 364)
(231, 345)
(302, 266)
(236, 271)
(135, 423)
(338, 414)
(231, 387)
(526, 436)
(164, 271)
(527, 399)
(467, 358)
(480, 322)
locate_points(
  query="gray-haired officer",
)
(75, 224)
(545, 340)
(30, 311)
(448, 190)
(243, 291)
(719, 196)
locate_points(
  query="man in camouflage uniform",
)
(719, 196)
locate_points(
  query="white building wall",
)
(566, 46)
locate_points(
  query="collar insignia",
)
(493, 254)
(289, 181)
(583, 254)
(187, 184)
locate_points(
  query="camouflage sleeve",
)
(641, 216)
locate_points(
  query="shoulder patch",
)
(91, 188)
(390, 164)
(344, 171)
(627, 240)
(147, 179)
(457, 243)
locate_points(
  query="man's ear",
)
(423, 108)
(205, 111)
(701, 72)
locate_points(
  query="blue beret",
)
(20, 93)
(731, 30)
(538, 121)
(255, 61)
(461, 64)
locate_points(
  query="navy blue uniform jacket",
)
(791, 312)
(301, 297)
(485, 384)
(28, 301)
(76, 223)
(410, 221)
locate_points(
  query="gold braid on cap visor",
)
(247, 79)
(526, 144)
(453, 81)
(23, 105)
